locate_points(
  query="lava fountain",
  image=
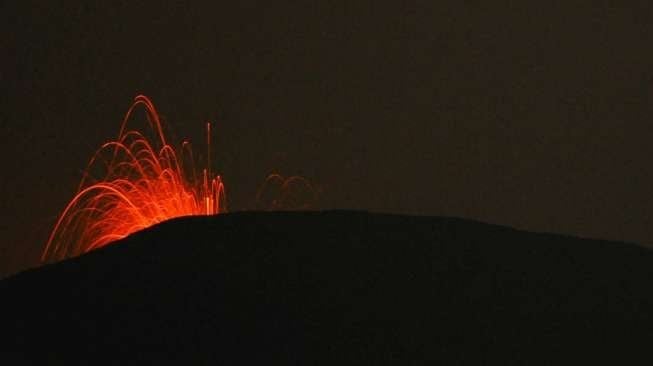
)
(132, 183)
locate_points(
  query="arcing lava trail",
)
(131, 183)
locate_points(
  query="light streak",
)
(141, 182)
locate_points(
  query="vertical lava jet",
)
(132, 183)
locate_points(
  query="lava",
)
(132, 183)
(285, 193)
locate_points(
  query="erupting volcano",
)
(131, 183)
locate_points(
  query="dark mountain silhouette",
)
(332, 288)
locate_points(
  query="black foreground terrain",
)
(333, 288)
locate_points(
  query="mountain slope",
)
(333, 287)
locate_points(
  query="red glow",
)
(141, 182)
(285, 193)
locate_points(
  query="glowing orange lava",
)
(140, 182)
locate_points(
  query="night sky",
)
(536, 117)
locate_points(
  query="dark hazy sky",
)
(533, 116)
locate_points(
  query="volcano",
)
(334, 287)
